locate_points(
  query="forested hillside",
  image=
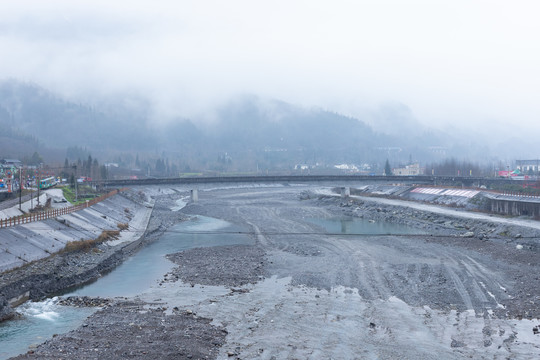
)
(245, 133)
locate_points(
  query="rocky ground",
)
(146, 333)
(467, 288)
(234, 265)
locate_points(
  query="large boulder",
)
(6, 312)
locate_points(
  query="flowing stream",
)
(41, 320)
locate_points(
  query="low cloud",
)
(453, 63)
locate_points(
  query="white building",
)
(409, 170)
(526, 166)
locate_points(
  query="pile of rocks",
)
(84, 301)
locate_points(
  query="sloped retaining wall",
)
(31, 241)
(43, 215)
(21, 277)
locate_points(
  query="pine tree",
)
(387, 168)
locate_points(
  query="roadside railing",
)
(44, 215)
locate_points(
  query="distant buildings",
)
(528, 166)
(10, 163)
(408, 170)
(347, 167)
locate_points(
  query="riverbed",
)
(41, 320)
(322, 293)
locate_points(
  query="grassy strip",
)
(69, 194)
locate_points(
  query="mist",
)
(249, 86)
(451, 63)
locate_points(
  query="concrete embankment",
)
(22, 277)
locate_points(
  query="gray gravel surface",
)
(234, 265)
(130, 330)
(459, 291)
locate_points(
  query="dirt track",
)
(349, 297)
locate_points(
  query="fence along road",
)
(43, 215)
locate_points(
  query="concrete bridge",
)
(423, 179)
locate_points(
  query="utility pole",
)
(76, 186)
(20, 188)
(38, 182)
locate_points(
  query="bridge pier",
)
(194, 195)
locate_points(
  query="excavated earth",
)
(459, 288)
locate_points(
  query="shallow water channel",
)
(41, 320)
(137, 274)
(355, 226)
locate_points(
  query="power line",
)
(265, 233)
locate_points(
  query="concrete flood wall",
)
(24, 243)
(515, 207)
(497, 203)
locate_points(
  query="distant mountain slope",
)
(246, 124)
(249, 130)
(308, 135)
(59, 123)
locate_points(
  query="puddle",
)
(354, 226)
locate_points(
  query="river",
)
(41, 320)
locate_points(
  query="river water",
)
(41, 320)
(355, 226)
(137, 274)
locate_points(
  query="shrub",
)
(90, 243)
(79, 245)
(107, 235)
(122, 226)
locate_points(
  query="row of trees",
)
(453, 167)
(450, 167)
(89, 168)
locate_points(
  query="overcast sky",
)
(451, 62)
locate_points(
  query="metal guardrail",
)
(44, 215)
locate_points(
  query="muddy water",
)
(41, 320)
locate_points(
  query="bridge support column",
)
(194, 195)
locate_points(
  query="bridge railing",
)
(419, 179)
(44, 215)
(262, 179)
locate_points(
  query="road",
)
(458, 213)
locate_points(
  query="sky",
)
(463, 63)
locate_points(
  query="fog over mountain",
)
(243, 85)
(249, 131)
(462, 64)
